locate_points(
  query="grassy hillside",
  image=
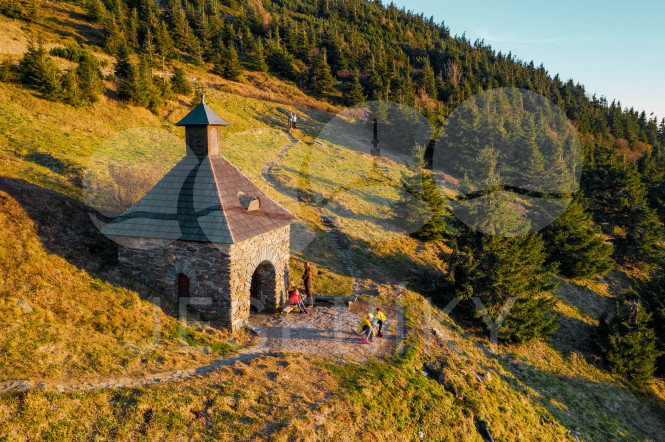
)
(89, 320)
(61, 323)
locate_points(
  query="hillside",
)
(88, 321)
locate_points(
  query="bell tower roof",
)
(202, 115)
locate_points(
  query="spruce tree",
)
(123, 67)
(354, 92)
(617, 196)
(630, 346)
(228, 64)
(8, 72)
(89, 77)
(651, 293)
(139, 87)
(495, 269)
(70, 92)
(578, 248)
(259, 59)
(429, 82)
(281, 62)
(319, 77)
(179, 82)
(421, 200)
(37, 70)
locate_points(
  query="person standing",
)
(366, 329)
(295, 120)
(380, 319)
(307, 280)
(290, 123)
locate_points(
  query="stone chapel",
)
(205, 235)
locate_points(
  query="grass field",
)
(89, 320)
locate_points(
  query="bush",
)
(8, 71)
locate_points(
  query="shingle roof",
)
(202, 115)
(199, 201)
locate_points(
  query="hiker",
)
(366, 329)
(380, 319)
(290, 117)
(294, 120)
(294, 299)
(307, 279)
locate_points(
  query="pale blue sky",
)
(614, 48)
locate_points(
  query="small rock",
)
(22, 385)
(42, 386)
(59, 388)
(24, 305)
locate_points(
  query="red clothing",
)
(294, 298)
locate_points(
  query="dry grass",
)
(84, 327)
(80, 326)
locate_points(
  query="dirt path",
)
(326, 330)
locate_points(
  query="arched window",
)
(183, 286)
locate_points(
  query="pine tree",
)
(354, 92)
(429, 80)
(89, 78)
(122, 67)
(70, 91)
(494, 269)
(630, 346)
(37, 70)
(320, 78)
(579, 250)
(259, 60)
(228, 65)
(179, 82)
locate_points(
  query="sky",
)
(613, 48)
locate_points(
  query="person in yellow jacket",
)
(380, 319)
(366, 329)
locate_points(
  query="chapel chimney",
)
(202, 134)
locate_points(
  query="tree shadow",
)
(90, 33)
(64, 168)
(63, 225)
(591, 410)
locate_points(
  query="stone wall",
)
(157, 263)
(247, 255)
(220, 275)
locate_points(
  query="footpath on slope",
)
(328, 330)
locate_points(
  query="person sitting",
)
(294, 299)
(380, 319)
(366, 329)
